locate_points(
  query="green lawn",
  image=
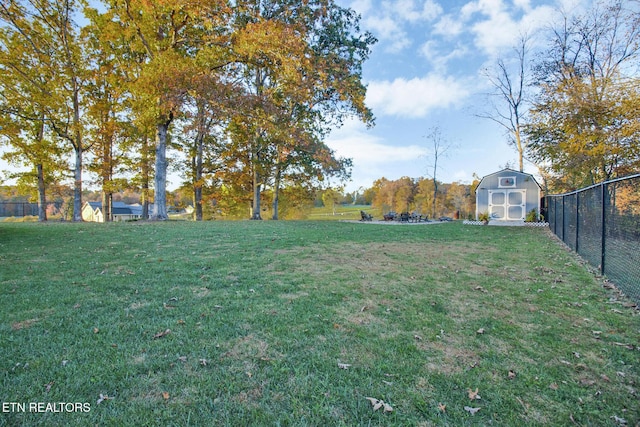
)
(298, 323)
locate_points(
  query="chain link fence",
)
(602, 224)
(22, 209)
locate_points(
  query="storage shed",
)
(508, 195)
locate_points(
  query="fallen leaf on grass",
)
(162, 334)
(473, 394)
(102, 398)
(619, 420)
(512, 375)
(628, 346)
(553, 386)
(344, 366)
(480, 331)
(165, 395)
(471, 410)
(203, 362)
(377, 404)
(442, 408)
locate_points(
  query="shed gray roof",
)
(509, 170)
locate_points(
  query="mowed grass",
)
(254, 323)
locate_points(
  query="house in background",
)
(92, 212)
(508, 195)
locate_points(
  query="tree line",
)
(245, 90)
(424, 196)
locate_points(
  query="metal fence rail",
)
(602, 224)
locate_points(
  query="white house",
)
(508, 195)
(92, 212)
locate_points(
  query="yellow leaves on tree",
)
(271, 44)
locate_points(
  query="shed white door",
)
(507, 204)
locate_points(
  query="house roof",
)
(509, 170)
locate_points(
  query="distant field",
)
(308, 323)
(343, 212)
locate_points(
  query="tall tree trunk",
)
(145, 179)
(160, 181)
(519, 147)
(77, 187)
(107, 175)
(107, 206)
(42, 199)
(257, 188)
(256, 196)
(276, 193)
(197, 185)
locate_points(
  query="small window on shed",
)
(507, 182)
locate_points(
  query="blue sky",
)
(426, 71)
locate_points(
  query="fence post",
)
(555, 216)
(577, 221)
(603, 218)
(563, 220)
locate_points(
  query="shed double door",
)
(507, 205)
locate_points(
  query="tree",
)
(583, 126)
(106, 106)
(330, 198)
(202, 135)
(22, 122)
(301, 69)
(174, 42)
(510, 91)
(440, 147)
(51, 48)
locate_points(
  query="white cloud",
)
(389, 21)
(372, 156)
(449, 26)
(496, 33)
(387, 30)
(495, 24)
(431, 50)
(409, 11)
(361, 6)
(522, 4)
(416, 97)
